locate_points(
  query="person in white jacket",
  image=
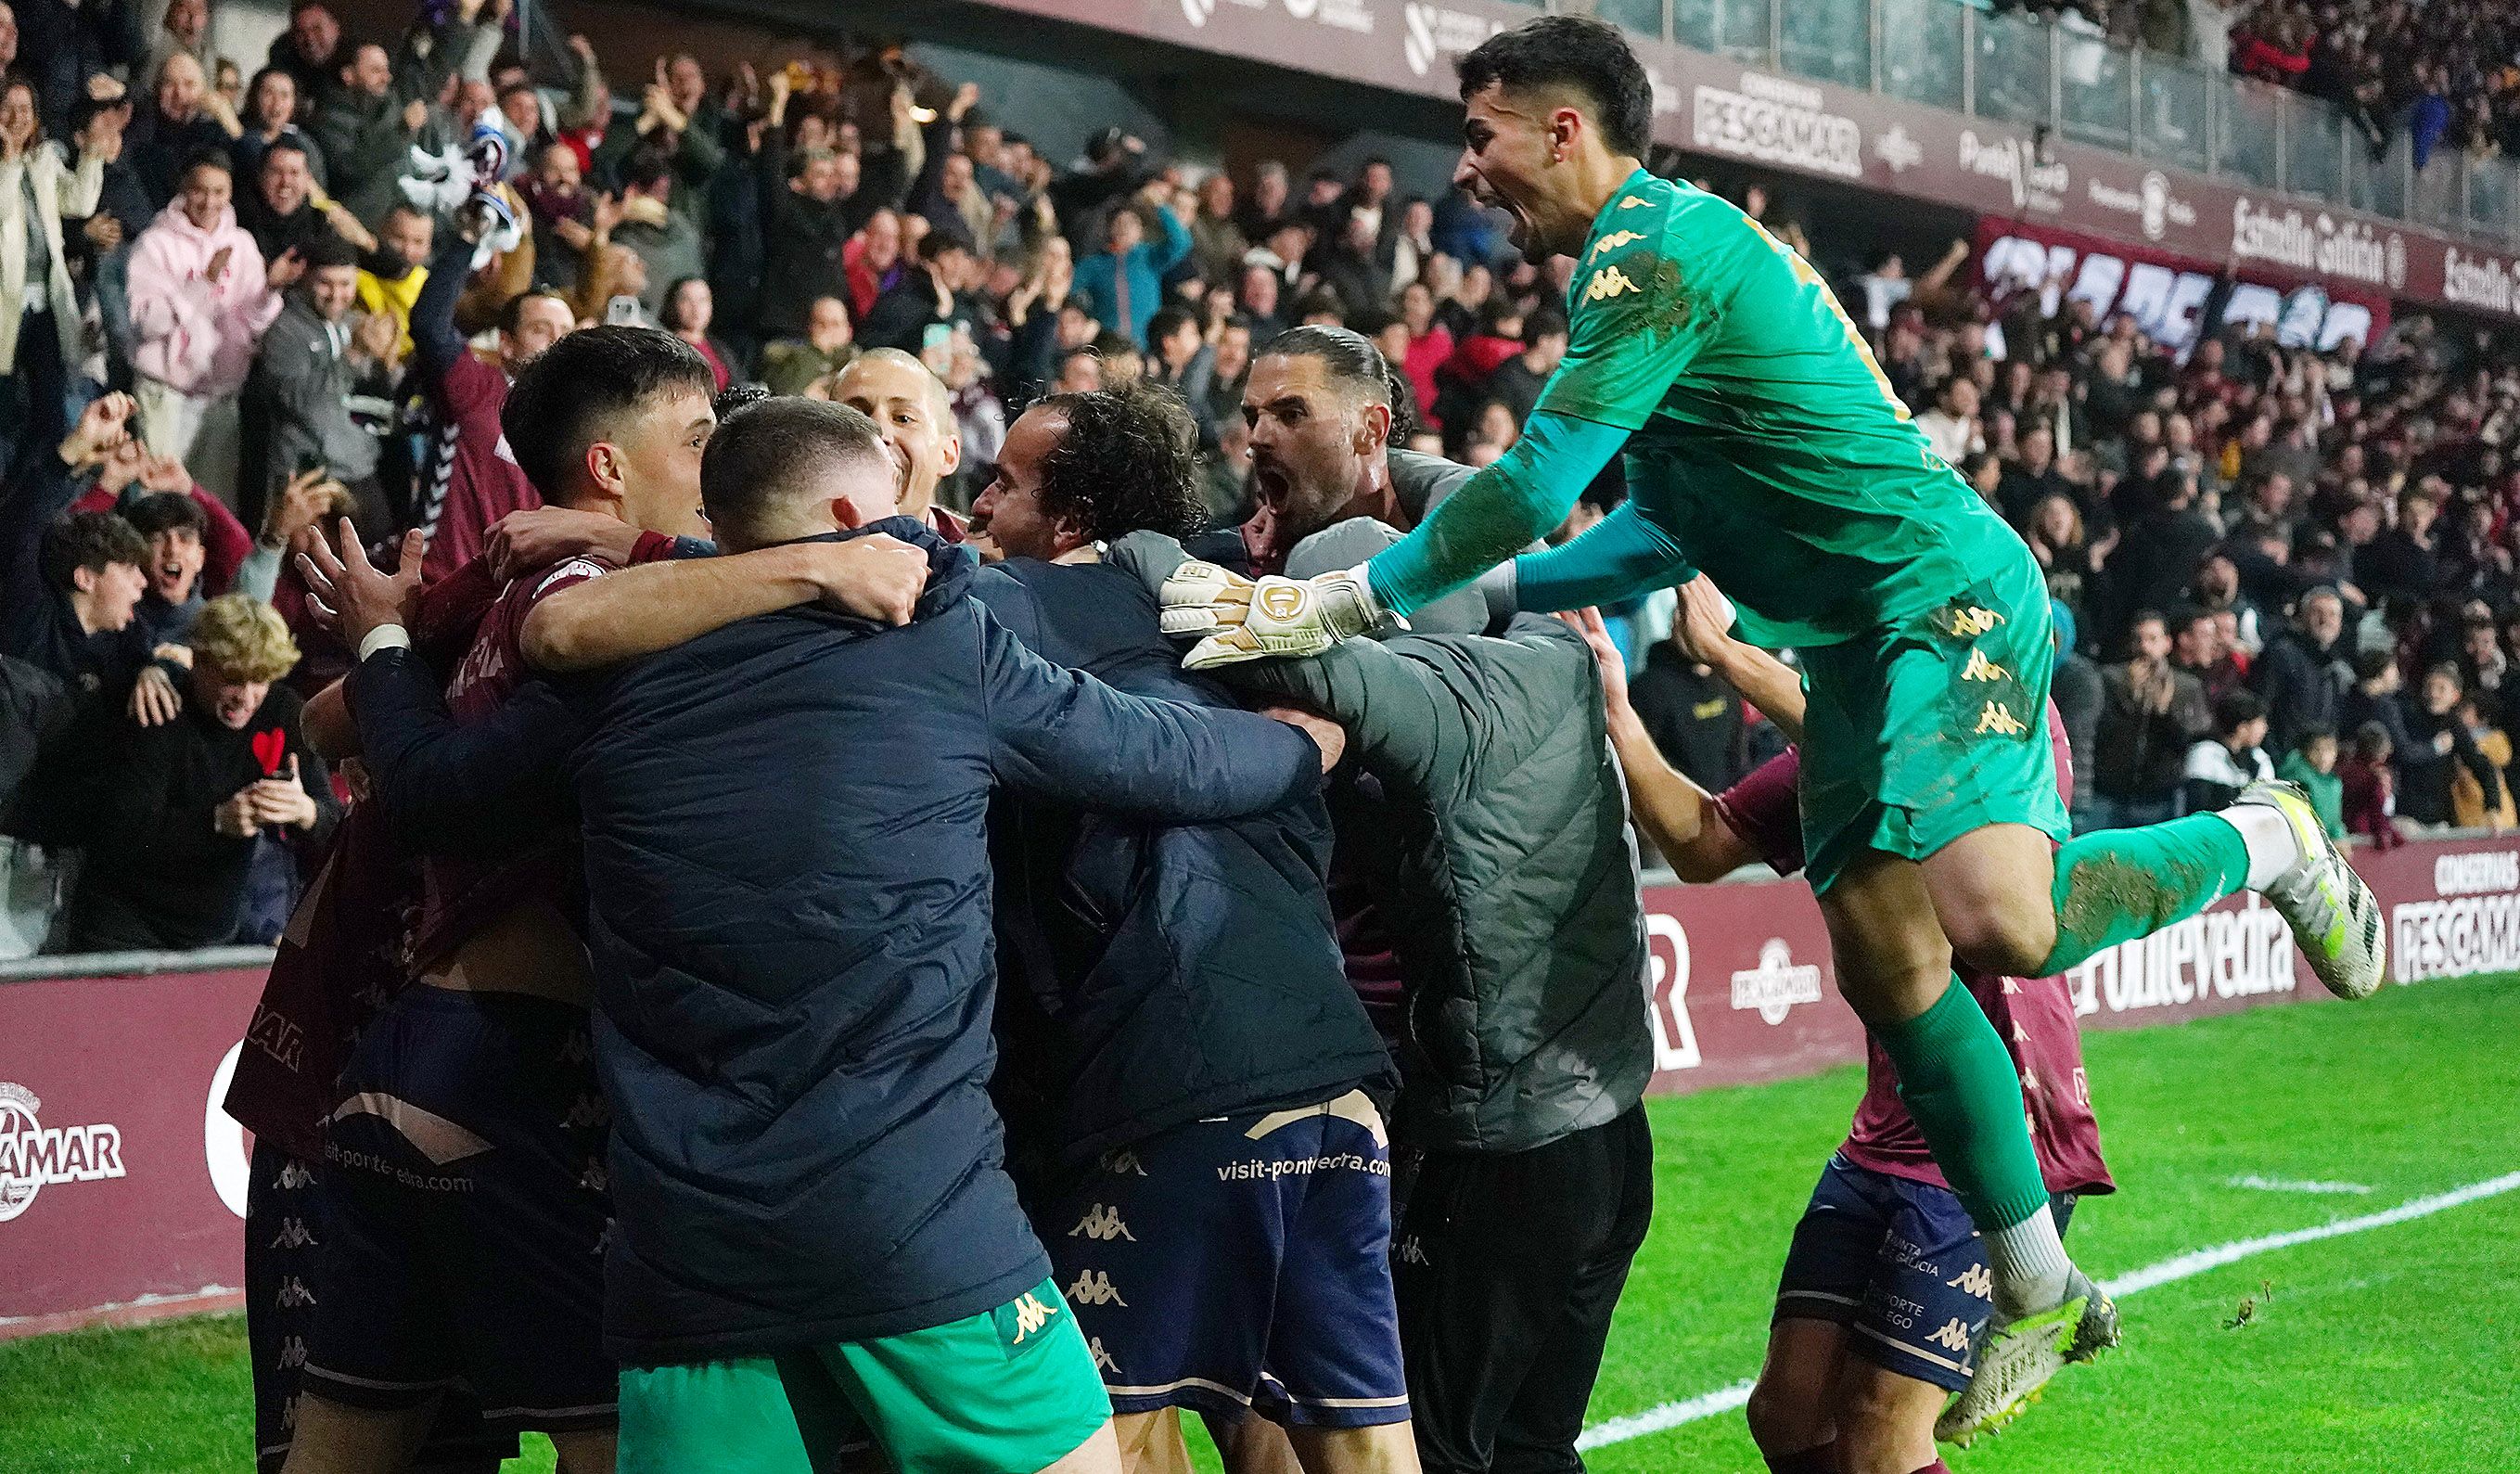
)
(39, 313)
(201, 300)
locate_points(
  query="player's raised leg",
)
(2010, 903)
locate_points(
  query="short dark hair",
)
(764, 453)
(328, 248)
(2370, 739)
(287, 143)
(1167, 320)
(154, 511)
(1574, 52)
(511, 315)
(89, 540)
(1542, 323)
(1354, 363)
(648, 164)
(1129, 462)
(556, 407)
(206, 158)
(2372, 664)
(2237, 707)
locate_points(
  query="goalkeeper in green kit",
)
(1764, 446)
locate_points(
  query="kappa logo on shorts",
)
(1998, 718)
(1967, 621)
(1094, 1287)
(1974, 1281)
(1122, 1162)
(293, 1234)
(292, 1293)
(292, 1354)
(1980, 668)
(1952, 1336)
(1102, 1223)
(1031, 1315)
(1102, 1359)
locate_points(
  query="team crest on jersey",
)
(1102, 1223)
(1607, 283)
(1613, 240)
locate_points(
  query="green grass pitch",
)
(2386, 1349)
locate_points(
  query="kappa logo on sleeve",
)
(1607, 283)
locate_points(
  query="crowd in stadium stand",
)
(2443, 74)
(2270, 558)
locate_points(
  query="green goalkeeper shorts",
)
(1917, 735)
(1014, 1389)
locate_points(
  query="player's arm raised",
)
(1637, 323)
(1677, 816)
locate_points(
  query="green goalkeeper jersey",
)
(1764, 442)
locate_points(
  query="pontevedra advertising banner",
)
(122, 1183)
(1711, 106)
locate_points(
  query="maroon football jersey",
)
(2034, 1016)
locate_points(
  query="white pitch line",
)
(2288, 1185)
(1666, 1415)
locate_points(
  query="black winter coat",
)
(1156, 975)
(787, 870)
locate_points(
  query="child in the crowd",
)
(2312, 764)
(2372, 789)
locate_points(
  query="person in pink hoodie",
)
(200, 300)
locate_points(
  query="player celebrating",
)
(1886, 1282)
(1762, 438)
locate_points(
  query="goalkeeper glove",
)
(1243, 620)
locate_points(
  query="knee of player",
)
(2013, 940)
(1885, 1423)
(1785, 1415)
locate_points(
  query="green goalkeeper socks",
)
(2113, 886)
(1958, 1081)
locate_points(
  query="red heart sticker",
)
(269, 747)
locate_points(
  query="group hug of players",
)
(808, 1000)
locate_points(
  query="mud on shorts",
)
(1896, 1262)
(1918, 735)
(468, 1213)
(1241, 1263)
